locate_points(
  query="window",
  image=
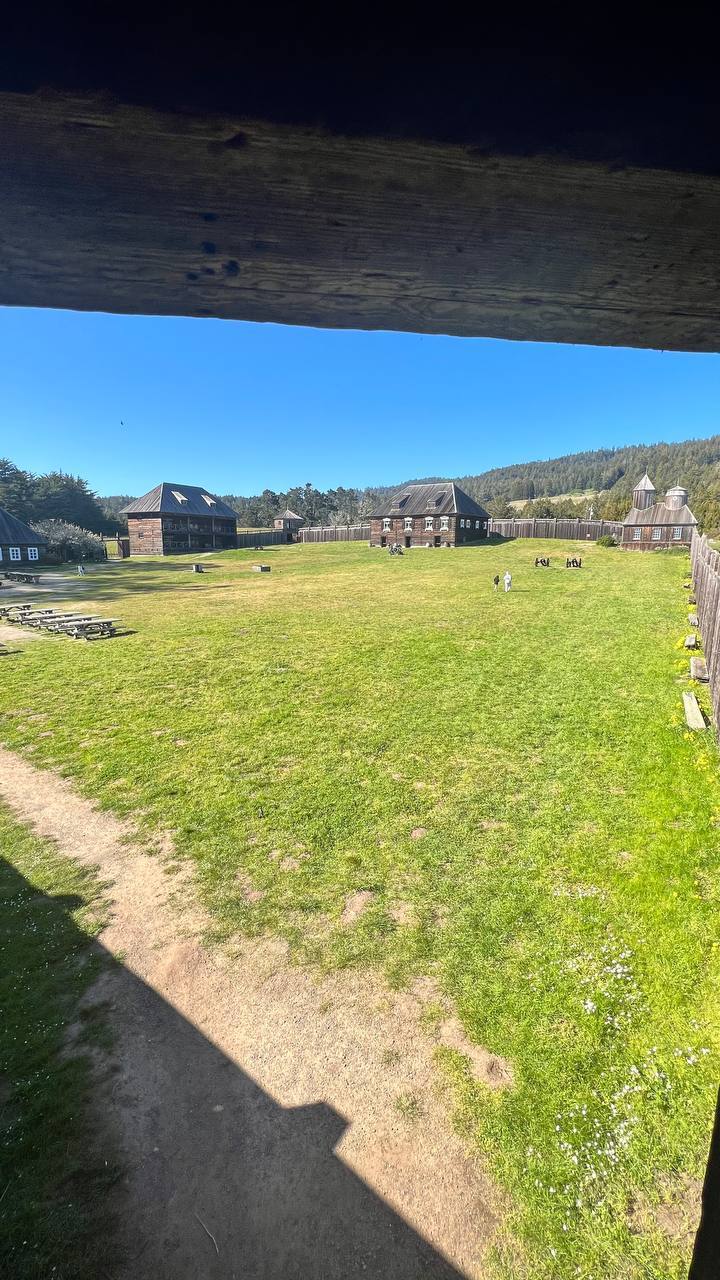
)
(386, 524)
(428, 523)
(15, 553)
(637, 534)
(210, 501)
(656, 534)
(408, 524)
(443, 522)
(32, 553)
(180, 496)
(477, 524)
(677, 534)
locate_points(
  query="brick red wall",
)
(454, 535)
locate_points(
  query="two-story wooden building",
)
(650, 525)
(428, 515)
(18, 542)
(173, 518)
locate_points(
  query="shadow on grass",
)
(206, 1151)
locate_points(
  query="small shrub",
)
(607, 540)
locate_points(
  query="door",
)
(383, 542)
(408, 540)
(437, 541)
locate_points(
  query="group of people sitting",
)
(543, 561)
(572, 563)
(395, 549)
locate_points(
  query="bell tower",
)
(644, 493)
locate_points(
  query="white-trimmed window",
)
(477, 524)
(210, 501)
(15, 553)
(428, 523)
(408, 524)
(178, 496)
(657, 534)
(637, 534)
(677, 534)
(32, 553)
(386, 525)
(444, 522)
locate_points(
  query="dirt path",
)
(255, 1104)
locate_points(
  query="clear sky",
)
(243, 407)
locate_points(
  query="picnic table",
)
(17, 575)
(7, 609)
(89, 628)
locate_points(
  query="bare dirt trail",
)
(256, 1107)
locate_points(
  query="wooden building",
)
(18, 542)
(289, 522)
(650, 525)
(175, 518)
(428, 515)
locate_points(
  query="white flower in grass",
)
(589, 1006)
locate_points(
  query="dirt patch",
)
(417, 833)
(355, 904)
(255, 1101)
(403, 913)
(248, 893)
(487, 1067)
(676, 1218)
(18, 635)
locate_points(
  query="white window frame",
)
(386, 524)
(657, 534)
(637, 533)
(429, 524)
(15, 553)
(33, 553)
(677, 533)
(408, 524)
(444, 523)
(477, 524)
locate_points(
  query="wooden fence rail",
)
(263, 538)
(706, 580)
(336, 533)
(556, 527)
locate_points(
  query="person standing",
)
(496, 582)
(507, 579)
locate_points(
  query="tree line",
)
(56, 495)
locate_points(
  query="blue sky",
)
(241, 407)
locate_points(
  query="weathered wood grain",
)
(698, 670)
(120, 208)
(693, 715)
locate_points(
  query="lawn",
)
(54, 1180)
(509, 777)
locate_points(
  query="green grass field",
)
(294, 729)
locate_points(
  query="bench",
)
(92, 629)
(698, 670)
(16, 575)
(693, 715)
(7, 609)
(691, 642)
(693, 620)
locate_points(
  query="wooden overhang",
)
(190, 167)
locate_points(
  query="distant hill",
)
(693, 463)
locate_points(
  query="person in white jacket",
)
(507, 579)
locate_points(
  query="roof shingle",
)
(440, 499)
(192, 501)
(16, 533)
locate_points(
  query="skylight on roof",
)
(180, 496)
(210, 501)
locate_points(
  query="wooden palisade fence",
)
(336, 533)
(556, 527)
(706, 580)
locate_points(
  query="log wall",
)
(706, 579)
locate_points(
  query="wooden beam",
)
(124, 208)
